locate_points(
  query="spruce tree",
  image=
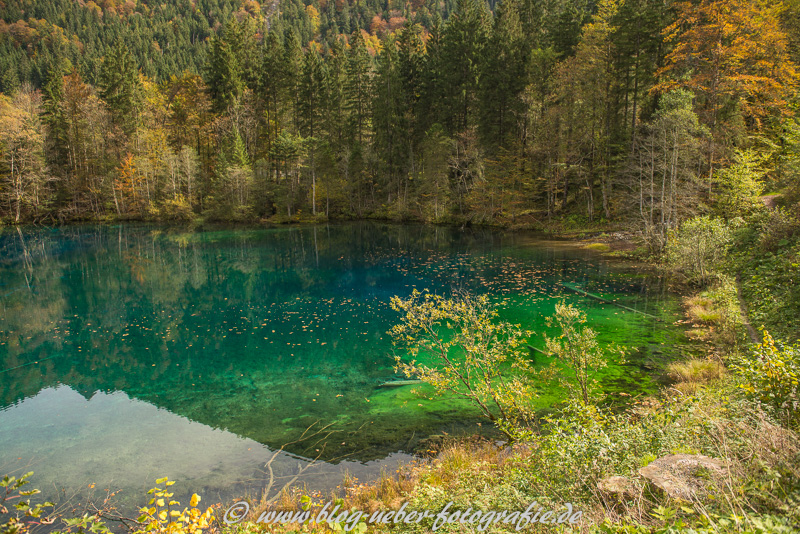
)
(358, 89)
(501, 88)
(120, 88)
(224, 74)
(462, 46)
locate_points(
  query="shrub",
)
(176, 209)
(24, 515)
(577, 348)
(698, 248)
(777, 228)
(474, 356)
(741, 185)
(772, 376)
(162, 515)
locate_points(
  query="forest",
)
(643, 112)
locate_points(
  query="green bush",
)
(741, 185)
(776, 229)
(772, 376)
(176, 209)
(698, 248)
(576, 347)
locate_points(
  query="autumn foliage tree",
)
(22, 151)
(734, 56)
(128, 188)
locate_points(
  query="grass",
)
(700, 371)
(701, 309)
(599, 247)
(690, 376)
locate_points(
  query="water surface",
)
(132, 352)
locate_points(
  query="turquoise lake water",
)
(133, 352)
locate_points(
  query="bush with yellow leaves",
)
(467, 352)
(771, 375)
(163, 515)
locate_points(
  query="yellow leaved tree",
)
(458, 346)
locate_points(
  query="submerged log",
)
(534, 349)
(606, 301)
(398, 383)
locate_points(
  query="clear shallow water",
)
(133, 352)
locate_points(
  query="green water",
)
(132, 352)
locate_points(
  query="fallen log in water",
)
(606, 301)
(540, 351)
(398, 383)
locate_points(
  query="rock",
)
(617, 488)
(681, 476)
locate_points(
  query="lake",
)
(225, 357)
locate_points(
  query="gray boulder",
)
(684, 476)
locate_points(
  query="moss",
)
(599, 247)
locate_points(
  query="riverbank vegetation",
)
(730, 417)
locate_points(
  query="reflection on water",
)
(246, 338)
(111, 441)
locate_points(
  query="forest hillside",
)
(639, 112)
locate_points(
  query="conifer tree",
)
(120, 88)
(501, 88)
(224, 74)
(358, 89)
(311, 92)
(463, 40)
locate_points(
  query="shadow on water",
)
(130, 352)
